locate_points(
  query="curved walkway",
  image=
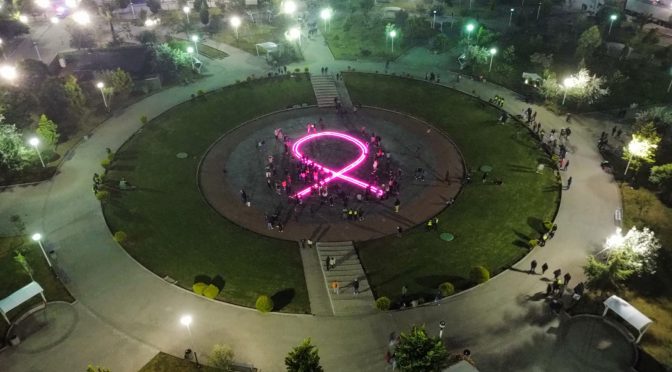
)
(500, 321)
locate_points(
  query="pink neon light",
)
(340, 174)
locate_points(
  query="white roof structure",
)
(532, 76)
(462, 366)
(24, 294)
(267, 46)
(629, 313)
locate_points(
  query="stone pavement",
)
(130, 312)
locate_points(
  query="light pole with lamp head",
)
(393, 34)
(186, 321)
(433, 19)
(37, 237)
(194, 38)
(8, 73)
(538, 10)
(511, 16)
(325, 14)
(36, 142)
(612, 18)
(294, 33)
(568, 83)
(638, 147)
(442, 325)
(470, 28)
(186, 11)
(493, 51)
(100, 85)
(235, 23)
(190, 50)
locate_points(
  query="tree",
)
(588, 42)
(366, 6)
(23, 262)
(418, 352)
(639, 247)
(11, 28)
(92, 368)
(661, 176)
(204, 14)
(81, 38)
(119, 81)
(221, 357)
(303, 358)
(609, 274)
(147, 37)
(543, 60)
(587, 88)
(400, 18)
(74, 93)
(33, 74)
(264, 304)
(169, 62)
(54, 100)
(48, 130)
(13, 151)
(154, 6)
(647, 135)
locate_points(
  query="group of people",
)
(430, 76)
(497, 100)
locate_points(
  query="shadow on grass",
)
(536, 224)
(282, 298)
(432, 282)
(219, 282)
(202, 278)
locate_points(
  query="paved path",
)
(501, 321)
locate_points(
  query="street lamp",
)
(294, 34)
(433, 19)
(568, 83)
(190, 50)
(511, 16)
(289, 7)
(54, 20)
(42, 3)
(186, 11)
(38, 238)
(493, 51)
(325, 14)
(470, 28)
(194, 38)
(81, 17)
(442, 325)
(23, 18)
(638, 147)
(36, 142)
(393, 34)
(538, 10)
(235, 22)
(100, 85)
(8, 73)
(186, 321)
(612, 18)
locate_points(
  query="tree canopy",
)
(418, 352)
(303, 358)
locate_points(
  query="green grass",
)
(14, 277)
(250, 34)
(204, 50)
(163, 362)
(491, 223)
(353, 37)
(172, 230)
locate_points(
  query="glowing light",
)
(640, 147)
(81, 17)
(185, 320)
(151, 22)
(339, 174)
(23, 18)
(8, 72)
(72, 4)
(186, 10)
(613, 17)
(54, 20)
(325, 14)
(34, 142)
(393, 34)
(100, 85)
(493, 51)
(190, 50)
(235, 21)
(37, 236)
(42, 3)
(289, 7)
(569, 82)
(470, 27)
(293, 34)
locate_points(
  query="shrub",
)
(548, 225)
(221, 357)
(383, 303)
(446, 289)
(264, 304)
(211, 291)
(306, 70)
(103, 195)
(365, 52)
(199, 288)
(533, 243)
(105, 163)
(120, 236)
(479, 274)
(143, 119)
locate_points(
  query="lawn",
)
(491, 223)
(354, 37)
(250, 34)
(163, 362)
(172, 230)
(14, 277)
(204, 50)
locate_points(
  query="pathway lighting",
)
(493, 51)
(638, 147)
(568, 83)
(8, 73)
(326, 14)
(235, 23)
(35, 142)
(37, 237)
(100, 85)
(186, 11)
(612, 18)
(81, 17)
(393, 34)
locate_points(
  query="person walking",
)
(335, 287)
(556, 274)
(400, 230)
(332, 262)
(613, 131)
(533, 267)
(569, 183)
(355, 286)
(328, 263)
(618, 133)
(397, 205)
(243, 196)
(567, 278)
(544, 267)
(566, 165)
(436, 223)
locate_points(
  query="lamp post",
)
(100, 85)
(235, 22)
(194, 38)
(54, 20)
(538, 10)
(442, 325)
(470, 27)
(325, 14)
(190, 50)
(186, 11)
(511, 16)
(493, 51)
(289, 7)
(8, 73)
(393, 34)
(294, 33)
(81, 17)
(186, 321)
(433, 19)
(36, 142)
(568, 83)
(23, 19)
(639, 148)
(612, 18)
(37, 237)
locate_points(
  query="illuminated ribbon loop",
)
(339, 174)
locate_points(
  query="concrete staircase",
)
(347, 269)
(325, 90)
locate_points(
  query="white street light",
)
(81, 17)
(511, 16)
(38, 238)
(42, 3)
(470, 28)
(100, 85)
(568, 83)
(186, 11)
(326, 14)
(289, 7)
(433, 19)
(442, 325)
(151, 22)
(612, 18)
(393, 34)
(235, 23)
(190, 50)
(33, 141)
(72, 4)
(54, 20)
(493, 51)
(638, 147)
(186, 321)
(194, 38)
(294, 33)
(8, 73)
(23, 18)
(538, 10)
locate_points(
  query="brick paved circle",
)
(235, 162)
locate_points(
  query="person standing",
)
(355, 286)
(397, 205)
(544, 267)
(567, 278)
(243, 196)
(334, 286)
(533, 266)
(569, 183)
(613, 131)
(332, 262)
(556, 274)
(328, 263)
